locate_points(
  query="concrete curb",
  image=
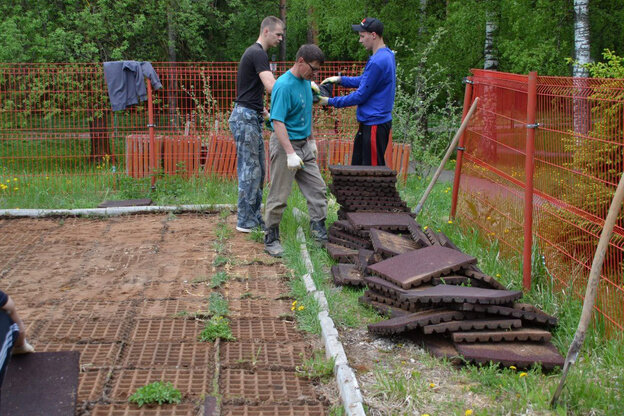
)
(103, 212)
(350, 394)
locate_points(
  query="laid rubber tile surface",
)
(170, 330)
(261, 328)
(270, 308)
(462, 294)
(44, 383)
(92, 382)
(133, 410)
(347, 274)
(519, 334)
(179, 354)
(192, 383)
(266, 355)
(167, 308)
(389, 245)
(275, 410)
(92, 356)
(83, 329)
(472, 324)
(264, 385)
(437, 345)
(414, 320)
(420, 266)
(521, 354)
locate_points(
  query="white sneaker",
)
(243, 230)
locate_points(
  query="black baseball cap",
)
(369, 24)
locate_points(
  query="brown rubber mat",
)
(365, 258)
(357, 170)
(264, 385)
(166, 330)
(472, 324)
(267, 355)
(418, 235)
(437, 345)
(274, 410)
(535, 317)
(450, 280)
(421, 319)
(540, 316)
(83, 330)
(162, 410)
(91, 384)
(126, 203)
(519, 334)
(157, 354)
(382, 308)
(346, 191)
(383, 286)
(91, 355)
(344, 235)
(420, 266)
(378, 297)
(347, 274)
(352, 180)
(340, 253)
(43, 383)
(389, 245)
(521, 355)
(484, 279)
(462, 294)
(382, 221)
(191, 382)
(332, 239)
(261, 328)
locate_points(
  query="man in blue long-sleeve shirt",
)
(374, 96)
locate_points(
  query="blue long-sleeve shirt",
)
(375, 89)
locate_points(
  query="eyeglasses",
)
(313, 68)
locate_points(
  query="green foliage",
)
(612, 67)
(218, 305)
(216, 327)
(156, 392)
(220, 277)
(317, 367)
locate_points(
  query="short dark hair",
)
(310, 53)
(270, 22)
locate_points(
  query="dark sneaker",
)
(272, 243)
(318, 231)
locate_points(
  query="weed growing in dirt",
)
(257, 235)
(223, 231)
(221, 261)
(216, 327)
(218, 305)
(219, 247)
(219, 278)
(317, 367)
(157, 392)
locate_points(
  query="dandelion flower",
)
(432, 385)
(523, 375)
(512, 367)
(300, 308)
(16, 188)
(469, 412)
(425, 227)
(15, 179)
(450, 221)
(292, 308)
(294, 303)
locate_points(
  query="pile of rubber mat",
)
(432, 292)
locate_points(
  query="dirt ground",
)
(123, 292)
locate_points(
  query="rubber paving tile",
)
(91, 355)
(340, 253)
(270, 308)
(540, 316)
(83, 330)
(420, 266)
(484, 279)
(519, 334)
(343, 235)
(418, 235)
(191, 382)
(345, 226)
(91, 384)
(365, 257)
(264, 385)
(261, 328)
(382, 221)
(352, 180)
(274, 410)
(166, 330)
(347, 170)
(346, 274)
(389, 245)
(534, 317)
(265, 355)
(378, 297)
(159, 354)
(472, 324)
(450, 280)
(382, 308)
(372, 191)
(386, 288)
(186, 409)
(414, 320)
(462, 294)
(522, 354)
(43, 383)
(332, 239)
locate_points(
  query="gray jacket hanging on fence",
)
(126, 82)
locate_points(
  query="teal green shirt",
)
(291, 103)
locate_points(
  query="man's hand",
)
(293, 161)
(312, 144)
(315, 88)
(331, 80)
(323, 100)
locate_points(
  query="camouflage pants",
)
(246, 126)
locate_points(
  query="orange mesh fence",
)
(577, 161)
(56, 123)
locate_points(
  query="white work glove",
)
(25, 348)
(312, 144)
(293, 161)
(331, 80)
(323, 100)
(315, 88)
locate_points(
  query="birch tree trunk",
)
(490, 53)
(581, 57)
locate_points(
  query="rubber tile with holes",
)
(93, 309)
(534, 317)
(340, 253)
(332, 239)
(108, 330)
(369, 192)
(519, 354)
(356, 170)
(376, 208)
(270, 308)
(351, 180)
(365, 258)
(519, 334)
(126, 203)
(452, 279)
(382, 221)
(166, 308)
(414, 320)
(472, 324)
(540, 316)
(382, 308)
(171, 330)
(264, 385)
(420, 266)
(343, 235)
(345, 226)
(269, 356)
(389, 245)
(376, 202)
(91, 384)
(378, 297)
(309, 409)
(255, 287)
(261, 328)
(384, 287)
(484, 280)
(183, 409)
(159, 354)
(419, 235)
(191, 382)
(43, 383)
(347, 274)
(92, 356)
(462, 294)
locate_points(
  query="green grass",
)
(219, 278)
(157, 392)
(317, 367)
(218, 305)
(216, 327)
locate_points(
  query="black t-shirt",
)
(249, 87)
(3, 298)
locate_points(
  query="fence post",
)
(460, 148)
(152, 139)
(529, 166)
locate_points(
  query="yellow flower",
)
(300, 308)
(523, 375)
(47, 177)
(450, 221)
(16, 188)
(469, 412)
(499, 275)
(512, 367)
(292, 309)
(15, 179)
(425, 227)
(294, 303)
(432, 385)
(488, 218)
(425, 414)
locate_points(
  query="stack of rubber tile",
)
(436, 294)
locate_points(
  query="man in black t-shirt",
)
(247, 119)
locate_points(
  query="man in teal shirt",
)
(293, 150)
